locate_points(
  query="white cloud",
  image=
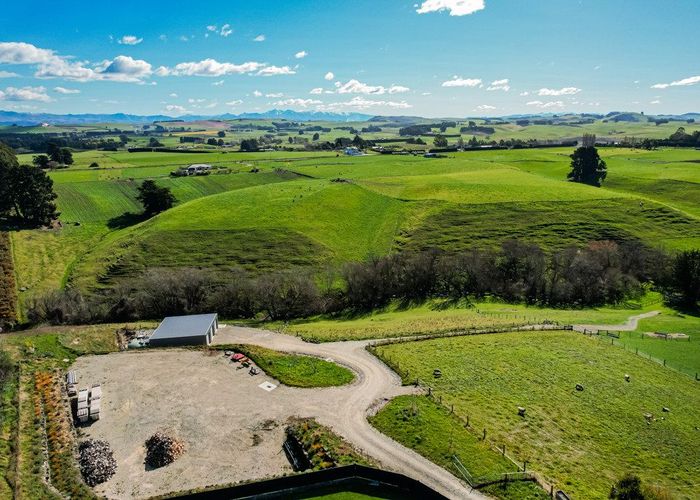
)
(358, 87)
(523, 94)
(317, 90)
(7, 74)
(63, 90)
(462, 82)
(257, 93)
(276, 95)
(329, 76)
(24, 94)
(276, 70)
(655, 101)
(302, 103)
(195, 101)
(558, 92)
(301, 54)
(226, 30)
(359, 102)
(485, 107)
(209, 67)
(259, 38)
(184, 38)
(456, 7)
(546, 105)
(130, 40)
(235, 102)
(678, 83)
(173, 94)
(24, 53)
(218, 83)
(212, 27)
(499, 85)
(163, 38)
(176, 109)
(427, 93)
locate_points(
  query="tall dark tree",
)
(587, 167)
(686, 276)
(8, 161)
(32, 195)
(627, 488)
(66, 156)
(155, 199)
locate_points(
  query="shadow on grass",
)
(125, 220)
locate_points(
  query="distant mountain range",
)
(30, 119)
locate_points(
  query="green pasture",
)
(582, 441)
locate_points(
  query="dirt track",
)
(628, 326)
(345, 409)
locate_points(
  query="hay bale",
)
(579, 387)
(163, 449)
(97, 463)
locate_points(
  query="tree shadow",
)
(125, 220)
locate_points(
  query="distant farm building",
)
(353, 152)
(195, 169)
(196, 329)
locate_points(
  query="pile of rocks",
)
(162, 449)
(97, 463)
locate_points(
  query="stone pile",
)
(97, 463)
(162, 449)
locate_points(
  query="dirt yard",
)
(232, 428)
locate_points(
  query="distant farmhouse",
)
(195, 169)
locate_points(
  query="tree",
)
(221, 133)
(315, 137)
(123, 139)
(587, 167)
(32, 195)
(250, 145)
(66, 157)
(627, 488)
(94, 164)
(154, 143)
(211, 141)
(686, 276)
(41, 161)
(155, 199)
(8, 161)
(440, 141)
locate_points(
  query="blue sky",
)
(429, 58)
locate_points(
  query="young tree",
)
(315, 137)
(221, 133)
(627, 488)
(154, 143)
(440, 141)
(155, 199)
(587, 167)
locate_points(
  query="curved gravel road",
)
(345, 409)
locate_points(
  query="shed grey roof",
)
(184, 326)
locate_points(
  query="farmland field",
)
(582, 441)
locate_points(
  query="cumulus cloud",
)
(359, 102)
(317, 90)
(455, 7)
(226, 30)
(301, 103)
(130, 40)
(24, 94)
(7, 74)
(210, 68)
(485, 107)
(63, 90)
(259, 38)
(301, 54)
(173, 94)
(692, 80)
(458, 81)
(523, 94)
(499, 85)
(558, 92)
(329, 76)
(174, 108)
(276, 70)
(358, 87)
(257, 93)
(212, 27)
(235, 102)
(275, 95)
(546, 105)
(51, 65)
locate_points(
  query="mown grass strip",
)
(295, 370)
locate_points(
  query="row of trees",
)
(599, 273)
(26, 192)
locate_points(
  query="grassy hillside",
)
(295, 212)
(581, 440)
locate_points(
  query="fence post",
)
(664, 362)
(484, 438)
(452, 408)
(525, 466)
(504, 450)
